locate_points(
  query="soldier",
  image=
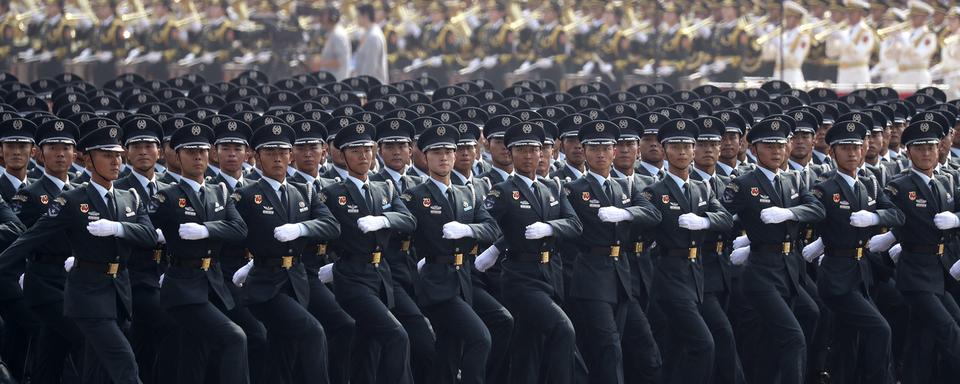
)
(215, 42)
(651, 162)
(501, 161)
(770, 207)
(855, 209)
(172, 173)
(853, 46)
(734, 128)
(493, 44)
(789, 48)
(440, 44)
(532, 216)
(16, 138)
(51, 39)
(196, 219)
(729, 43)
(284, 217)
(600, 287)
(551, 46)
(916, 46)
(153, 332)
(572, 167)
(444, 288)
(102, 225)
(801, 148)
(369, 213)
(8, 233)
(164, 42)
(673, 48)
(107, 42)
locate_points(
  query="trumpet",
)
(138, 13)
(693, 28)
(814, 25)
(768, 36)
(829, 31)
(193, 18)
(902, 26)
(749, 27)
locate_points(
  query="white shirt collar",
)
(850, 180)
(574, 170)
(101, 190)
(359, 183)
(275, 184)
(704, 175)
(193, 184)
(600, 179)
(342, 172)
(614, 171)
(526, 180)
(143, 180)
(768, 173)
(464, 179)
(726, 168)
(955, 152)
(503, 174)
(393, 174)
(651, 169)
(307, 177)
(443, 187)
(56, 181)
(216, 169)
(14, 180)
(230, 180)
(681, 183)
(926, 179)
(174, 175)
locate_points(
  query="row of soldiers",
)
(648, 235)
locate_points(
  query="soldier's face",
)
(231, 157)
(525, 159)
(336, 156)
(193, 162)
(440, 161)
(396, 155)
(358, 161)
(498, 152)
(170, 158)
(820, 140)
(627, 151)
(143, 156)
(923, 156)
(273, 162)
(573, 150)
(874, 145)
(895, 133)
(801, 145)
(679, 155)
(418, 158)
(17, 155)
(650, 149)
(945, 143)
(730, 145)
(706, 153)
(105, 164)
(465, 156)
(770, 155)
(848, 157)
(599, 157)
(57, 158)
(546, 158)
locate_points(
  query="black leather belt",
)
(608, 251)
(111, 269)
(456, 259)
(50, 258)
(687, 253)
(285, 262)
(782, 248)
(716, 246)
(542, 257)
(201, 263)
(848, 253)
(936, 249)
(372, 258)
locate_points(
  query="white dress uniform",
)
(852, 47)
(914, 49)
(795, 48)
(950, 64)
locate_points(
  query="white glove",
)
(160, 238)
(162, 277)
(434, 61)
(104, 228)
(193, 231)
(613, 214)
(104, 56)
(326, 274)
(421, 263)
(693, 222)
(489, 62)
(546, 62)
(487, 258)
(288, 232)
(475, 63)
(416, 62)
(864, 219)
(133, 54)
(21, 281)
(263, 57)
(538, 230)
(606, 68)
(946, 220)
(240, 276)
(741, 241)
(719, 66)
(68, 263)
(45, 56)
(207, 58)
(456, 230)
(646, 70)
(881, 242)
(704, 70)
(955, 270)
(739, 255)
(813, 250)
(84, 54)
(776, 215)
(153, 57)
(587, 68)
(895, 253)
(372, 223)
(666, 70)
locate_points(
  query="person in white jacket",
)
(370, 59)
(915, 46)
(789, 48)
(853, 45)
(950, 54)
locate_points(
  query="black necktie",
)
(608, 189)
(776, 187)
(402, 185)
(200, 195)
(283, 197)
(451, 200)
(535, 187)
(111, 206)
(368, 197)
(151, 189)
(660, 175)
(687, 195)
(935, 191)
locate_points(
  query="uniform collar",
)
(393, 174)
(850, 180)
(441, 186)
(768, 173)
(193, 184)
(56, 181)
(503, 174)
(703, 175)
(143, 180)
(230, 180)
(575, 171)
(925, 178)
(466, 180)
(600, 179)
(14, 180)
(681, 183)
(651, 169)
(526, 180)
(101, 190)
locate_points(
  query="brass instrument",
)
(693, 28)
(826, 32)
(750, 27)
(32, 9)
(138, 13)
(193, 18)
(460, 21)
(86, 14)
(902, 26)
(814, 25)
(768, 36)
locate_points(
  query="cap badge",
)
(113, 133)
(527, 128)
(851, 127)
(441, 130)
(361, 128)
(774, 125)
(681, 125)
(195, 130)
(600, 127)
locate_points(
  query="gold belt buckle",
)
(692, 255)
(719, 247)
(286, 262)
(458, 259)
(376, 258)
(405, 245)
(544, 257)
(786, 247)
(321, 249)
(614, 251)
(859, 253)
(113, 269)
(638, 248)
(940, 249)
(205, 263)
(157, 254)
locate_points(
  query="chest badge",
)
(665, 199)
(836, 197)
(754, 191)
(258, 199)
(585, 196)
(84, 208)
(182, 202)
(912, 195)
(516, 195)
(44, 199)
(342, 200)
(426, 202)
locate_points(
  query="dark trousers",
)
(58, 344)
(298, 345)
(726, 367)
(499, 323)
(545, 340)
(641, 355)
(154, 337)
(862, 340)
(257, 347)
(382, 348)
(784, 345)
(816, 324)
(463, 342)
(19, 325)
(106, 349)
(423, 354)
(340, 328)
(747, 329)
(599, 325)
(933, 335)
(206, 330)
(690, 357)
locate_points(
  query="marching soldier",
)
(164, 42)
(855, 208)
(652, 158)
(853, 46)
(101, 224)
(673, 48)
(573, 165)
(493, 42)
(51, 39)
(789, 49)
(729, 43)
(600, 289)
(532, 216)
(196, 219)
(16, 138)
(107, 42)
(440, 44)
(284, 217)
(369, 213)
(501, 162)
(215, 42)
(550, 47)
(916, 46)
(770, 207)
(451, 220)
(8, 233)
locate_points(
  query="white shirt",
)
(726, 168)
(393, 175)
(174, 175)
(14, 180)
(230, 180)
(769, 174)
(59, 183)
(850, 180)
(575, 171)
(681, 183)
(503, 174)
(600, 179)
(193, 185)
(464, 179)
(926, 179)
(144, 181)
(275, 185)
(651, 169)
(443, 187)
(526, 180)
(214, 168)
(342, 172)
(360, 184)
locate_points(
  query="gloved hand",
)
(153, 57)
(288, 232)
(45, 56)
(416, 62)
(193, 231)
(421, 263)
(538, 230)
(895, 253)
(487, 258)
(813, 250)
(326, 274)
(240, 276)
(104, 56)
(372, 223)
(946, 220)
(693, 222)
(719, 66)
(955, 270)
(613, 214)
(606, 68)
(84, 54)
(435, 61)
(133, 53)
(741, 241)
(587, 68)
(864, 219)
(489, 62)
(881, 242)
(21, 281)
(776, 215)
(162, 276)
(207, 58)
(739, 255)
(68, 263)
(666, 70)
(160, 238)
(103, 228)
(546, 62)
(264, 57)
(455, 230)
